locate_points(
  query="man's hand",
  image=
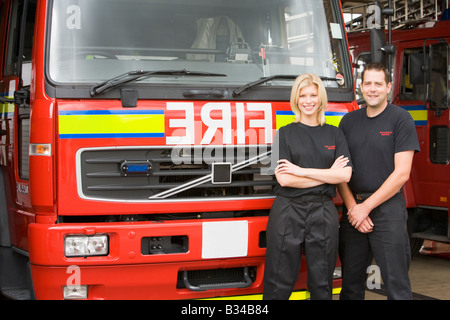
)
(358, 216)
(366, 226)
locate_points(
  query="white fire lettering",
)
(214, 124)
(265, 123)
(187, 122)
(188, 126)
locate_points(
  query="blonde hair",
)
(305, 80)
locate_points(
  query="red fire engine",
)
(420, 77)
(135, 138)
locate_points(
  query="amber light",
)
(40, 149)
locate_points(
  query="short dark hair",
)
(377, 66)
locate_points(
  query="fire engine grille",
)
(200, 280)
(178, 173)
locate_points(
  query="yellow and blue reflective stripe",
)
(296, 295)
(286, 117)
(334, 117)
(283, 118)
(77, 124)
(6, 109)
(418, 113)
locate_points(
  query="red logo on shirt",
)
(331, 147)
(385, 133)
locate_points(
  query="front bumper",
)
(128, 271)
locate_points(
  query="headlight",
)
(82, 245)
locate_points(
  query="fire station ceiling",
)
(406, 13)
(352, 3)
(355, 3)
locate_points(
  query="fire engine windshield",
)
(244, 40)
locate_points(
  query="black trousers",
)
(311, 222)
(388, 244)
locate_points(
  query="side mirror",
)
(377, 42)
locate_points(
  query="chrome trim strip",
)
(162, 200)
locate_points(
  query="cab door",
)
(424, 92)
(17, 32)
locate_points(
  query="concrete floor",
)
(429, 274)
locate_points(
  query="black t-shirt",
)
(373, 143)
(309, 147)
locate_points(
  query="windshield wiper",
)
(267, 79)
(139, 74)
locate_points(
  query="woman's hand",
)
(340, 162)
(284, 166)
